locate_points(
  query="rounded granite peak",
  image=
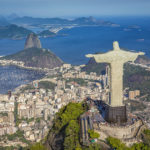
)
(32, 41)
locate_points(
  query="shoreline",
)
(56, 30)
(38, 70)
(20, 64)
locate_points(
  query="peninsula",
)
(33, 56)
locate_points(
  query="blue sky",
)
(74, 8)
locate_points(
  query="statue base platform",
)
(115, 114)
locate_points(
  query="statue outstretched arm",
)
(100, 58)
(89, 55)
(133, 56)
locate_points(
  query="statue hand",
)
(141, 53)
(89, 55)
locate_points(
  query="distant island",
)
(13, 32)
(20, 27)
(59, 21)
(47, 33)
(16, 32)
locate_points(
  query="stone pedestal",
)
(115, 114)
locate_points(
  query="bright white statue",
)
(116, 58)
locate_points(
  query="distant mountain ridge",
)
(60, 21)
(144, 60)
(14, 27)
(13, 32)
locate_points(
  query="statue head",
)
(116, 45)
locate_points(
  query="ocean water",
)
(85, 40)
(133, 33)
(12, 77)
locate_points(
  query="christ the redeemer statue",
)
(116, 58)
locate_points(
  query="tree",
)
(146, 137)
(93, 135)
(71, 141)
(116, 143)
(78, 148)
(37, 146)
(94, 146)
(139, 146)
(66, 124)
(70, 112)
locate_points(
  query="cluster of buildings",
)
(11, 62)
(134, 94)
(6, 62)
(7, 124)
(32, 111)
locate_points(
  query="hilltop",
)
(32, 41)
(59, 21)
(47, 33)
(13, 32)
(36, 57)
(15, 27)
(144, 60)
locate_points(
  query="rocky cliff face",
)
(35, 56)
(32, 41)
(54, 141)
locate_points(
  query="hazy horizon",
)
(78, 8)
(75, 17)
